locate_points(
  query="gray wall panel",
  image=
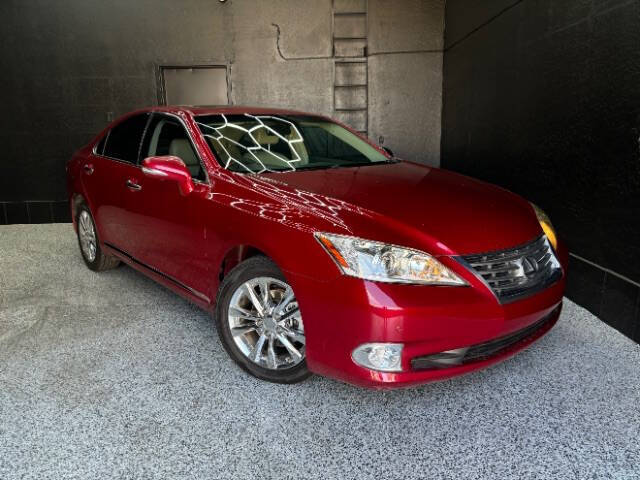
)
(405, 76)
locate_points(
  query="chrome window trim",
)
(95, 145)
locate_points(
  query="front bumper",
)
(345, 312)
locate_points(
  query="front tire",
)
(259, 322)
(89, 243)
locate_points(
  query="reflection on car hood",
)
(461, 215)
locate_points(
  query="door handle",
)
(88, 168)
(131, 185)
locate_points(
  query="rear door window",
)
(123, 142)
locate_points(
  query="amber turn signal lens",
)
(551, 235)
(547, 226)
(333, 250)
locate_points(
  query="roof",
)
(228, 110)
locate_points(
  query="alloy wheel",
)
(87, 234)
(265, 323)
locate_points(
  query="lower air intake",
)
(486, 350)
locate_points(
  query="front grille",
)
(487, 350)
(517, 272)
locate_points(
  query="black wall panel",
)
(543, 98)
(72, 66)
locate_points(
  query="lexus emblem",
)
(529, 266)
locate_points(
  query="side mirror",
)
(169, 168)
(388, 150)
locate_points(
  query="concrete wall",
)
(405, 76)
(543, 98)
(71, 66)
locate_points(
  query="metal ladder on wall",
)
(350, 80)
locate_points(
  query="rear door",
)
(111, 178)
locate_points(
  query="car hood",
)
(412, 204)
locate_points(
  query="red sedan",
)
(316, 250)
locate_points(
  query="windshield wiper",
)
(335, 165)
(314, 167)
(332, 166)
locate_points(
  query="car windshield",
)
(276, 143)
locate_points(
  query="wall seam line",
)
(482, 25)
(605, 269)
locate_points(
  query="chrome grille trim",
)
(518, 272)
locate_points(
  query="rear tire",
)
(89, 242)
(268, 339)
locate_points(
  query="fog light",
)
(384, 357)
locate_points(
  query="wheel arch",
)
(236, 255)
(77, 199)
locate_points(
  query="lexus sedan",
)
(316, 250)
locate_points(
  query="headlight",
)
(547, 226)
(381, 262)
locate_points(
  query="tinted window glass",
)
(322, 144)
(124, 139)
(262, 143)
(167, 136)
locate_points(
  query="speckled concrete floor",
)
(112, 376)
